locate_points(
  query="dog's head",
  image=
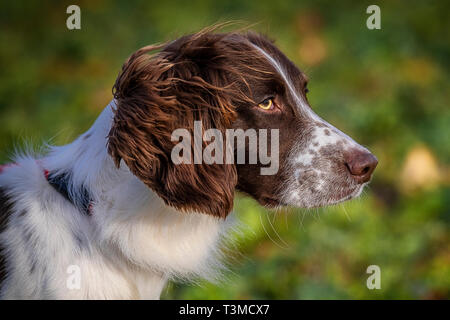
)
(230, 81)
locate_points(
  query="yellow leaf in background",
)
(312, 50)
(418, 71)
(100, 98)
(420, 170)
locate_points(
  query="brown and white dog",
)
(111, 216)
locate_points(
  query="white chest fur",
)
(128, 248)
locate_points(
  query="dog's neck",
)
(141, 229)
(86, 159)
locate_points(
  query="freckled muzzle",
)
(328, 168)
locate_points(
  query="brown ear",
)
(156, 94)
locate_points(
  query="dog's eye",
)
(306, 90)
(267, 104)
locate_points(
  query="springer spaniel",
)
(110, 216)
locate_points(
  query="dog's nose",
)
(361, 164)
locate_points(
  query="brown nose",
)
(360, 164)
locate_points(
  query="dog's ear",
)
(159, 93)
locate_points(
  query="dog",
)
(111, 216)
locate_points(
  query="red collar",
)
(60, 184)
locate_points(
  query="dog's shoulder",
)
(5, 213)
(5, 209)
(18, 181)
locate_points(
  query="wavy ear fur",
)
(185, 81)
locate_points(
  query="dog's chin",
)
(325, 199)
(345, 196)
(272, 202)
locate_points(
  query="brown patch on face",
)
(5, 212)
(293, 132)
(266, 189)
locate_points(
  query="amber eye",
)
(267, 104)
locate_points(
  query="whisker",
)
(271, 239)
(285, 218)
(345, 211)
(274, 215)
(279, 237)
(301, 221)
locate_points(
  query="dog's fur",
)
(151, 220)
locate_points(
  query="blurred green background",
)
(387, 88)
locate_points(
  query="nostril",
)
(348, 167)
(360, 164)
